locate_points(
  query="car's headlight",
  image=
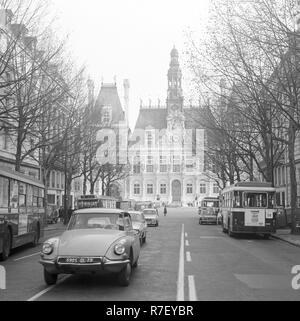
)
(47, 248)
(119, 249)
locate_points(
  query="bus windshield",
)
(210, 204)
(255, 200)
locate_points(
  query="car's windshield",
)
(150, 215)
(96, 220)
(136, 217)
(152, 212)
(209, 211)
(210, 204)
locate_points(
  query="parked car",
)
(151, 216)
(96, 240)
(139, 224)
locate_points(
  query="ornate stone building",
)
(166, 150)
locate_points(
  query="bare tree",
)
(254, 47)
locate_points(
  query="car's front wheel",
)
(124, 275)
(50, 278)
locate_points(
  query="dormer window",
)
(106, 115)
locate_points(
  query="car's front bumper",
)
(207, 220)
(151, 222)
(106, 265)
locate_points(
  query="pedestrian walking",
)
(165, 210)
(61, 214)
(70, 211)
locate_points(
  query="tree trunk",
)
(92, 187)
(293, 180)
(18, 154)
(45, 179)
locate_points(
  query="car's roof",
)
(98, 210)
(149, 209)
(134, 212)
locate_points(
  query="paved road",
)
(181, 260)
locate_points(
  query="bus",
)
(208, 210)
(22, 211)
(249, 207)
(126, 205)
(88, 201)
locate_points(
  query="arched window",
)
(137, 189)
(189, 188)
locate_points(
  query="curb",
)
(284, 240)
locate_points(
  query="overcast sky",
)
(129, 39)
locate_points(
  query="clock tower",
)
(175, 116)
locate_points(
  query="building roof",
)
(154, 117)
(108, 96)
(157, 118)
(192, 117)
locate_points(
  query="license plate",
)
(79, 260)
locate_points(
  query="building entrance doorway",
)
(176, 191)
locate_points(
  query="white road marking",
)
(37, 296)
(192, 288)
(211, 237)
(187, 243)
(26, 257)
(180, 281)
(188, 257)
(186, 235)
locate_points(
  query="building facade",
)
(166, 150)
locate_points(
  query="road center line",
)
(192, 288)
(187, 243)
(37, 296)
(186, 235)
(26, 257)
(188, 257)
(180, 281)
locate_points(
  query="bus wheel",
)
(50, 278)
(266, 236)
(6, 245)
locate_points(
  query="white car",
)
(151, 216)
(96, 240)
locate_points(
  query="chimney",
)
(91, 87)
(297, 16)
(126, 100)
(18, 30)
(30, 43)
(6, 16)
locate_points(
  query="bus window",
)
(255, 200)
(40, 202)
(14, 194)
(271, 200)
(22, 194)
(4, 185)
(237, 199)
(35, 196)
(29, 196)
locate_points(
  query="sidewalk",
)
(286, 236)
(52, 227)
